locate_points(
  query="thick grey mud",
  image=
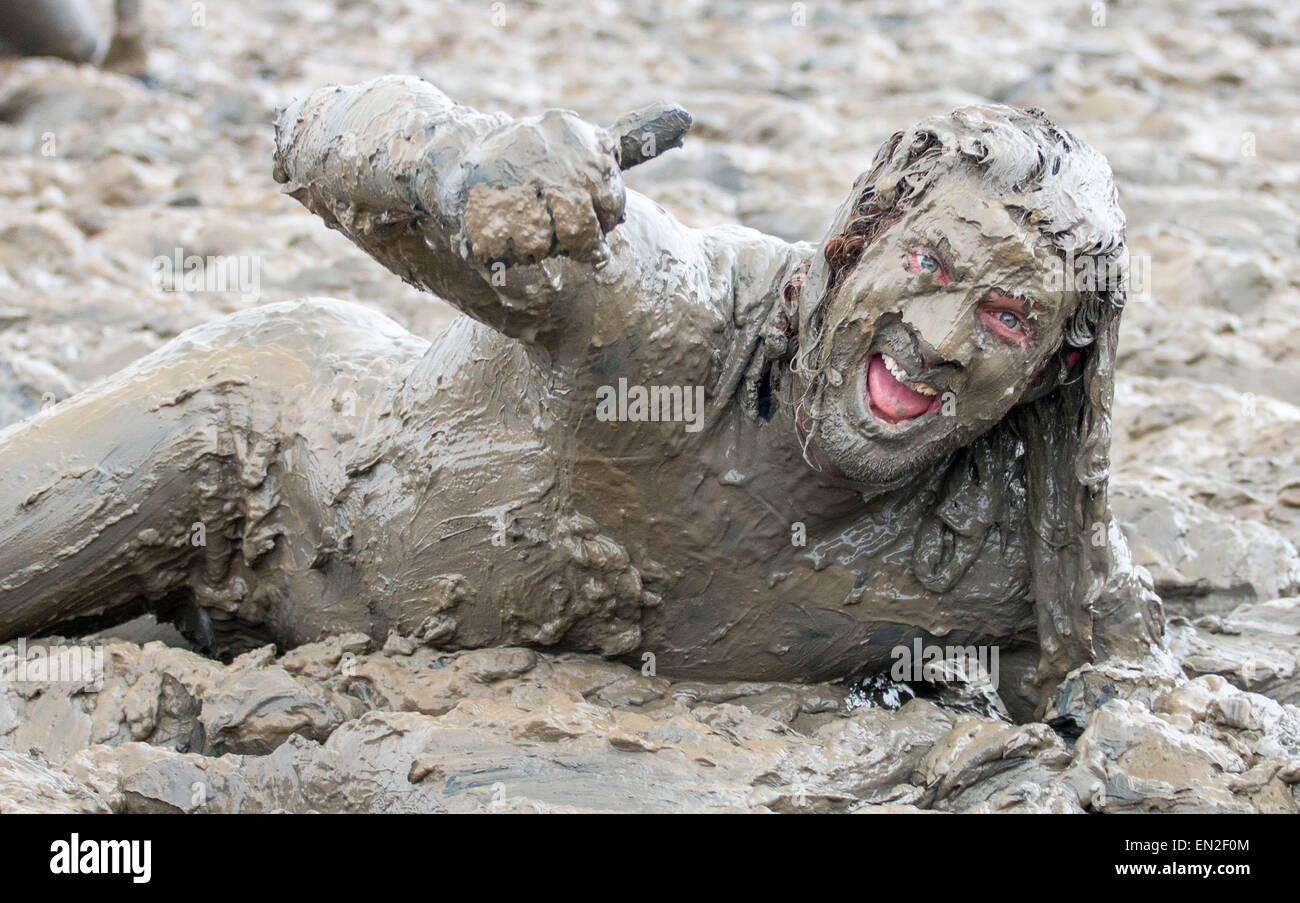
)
(344, 476)
(333, 727)
(375, 712)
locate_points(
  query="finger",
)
(510, 223)
(608, 196)
(646, 133)
(577, 231)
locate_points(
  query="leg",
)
(62, 28)
(101, 494)
(212, 472)
(126, 51)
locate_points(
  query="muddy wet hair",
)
(1041, 473)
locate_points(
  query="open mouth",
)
(891, 398)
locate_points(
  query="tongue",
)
(894, 399)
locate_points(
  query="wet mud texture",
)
(330, 727)
(1204, 469)
(343, 476)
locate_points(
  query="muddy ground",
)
(1196, 105)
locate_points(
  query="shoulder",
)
(756, 266)
(290, 340)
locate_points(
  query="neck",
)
(817, 486)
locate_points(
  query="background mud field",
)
(1197, 105)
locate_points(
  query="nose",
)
(929, 355)
(938, 323)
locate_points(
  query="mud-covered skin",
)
(936, 323)
(62, 28)
(348, 476)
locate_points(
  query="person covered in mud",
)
(711, 452)
(69, 30)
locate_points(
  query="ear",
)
(1062, 368)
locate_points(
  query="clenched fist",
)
(551, 184)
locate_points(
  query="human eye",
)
(924, 259)
(1006, 317)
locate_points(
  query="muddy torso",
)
(333, 473)
(473, 496)
(503, 511)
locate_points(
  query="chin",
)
(874, 462)
(879, 433)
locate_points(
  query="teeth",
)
(901, 375)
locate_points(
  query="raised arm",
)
(465, 204)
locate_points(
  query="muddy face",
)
(944, 324)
